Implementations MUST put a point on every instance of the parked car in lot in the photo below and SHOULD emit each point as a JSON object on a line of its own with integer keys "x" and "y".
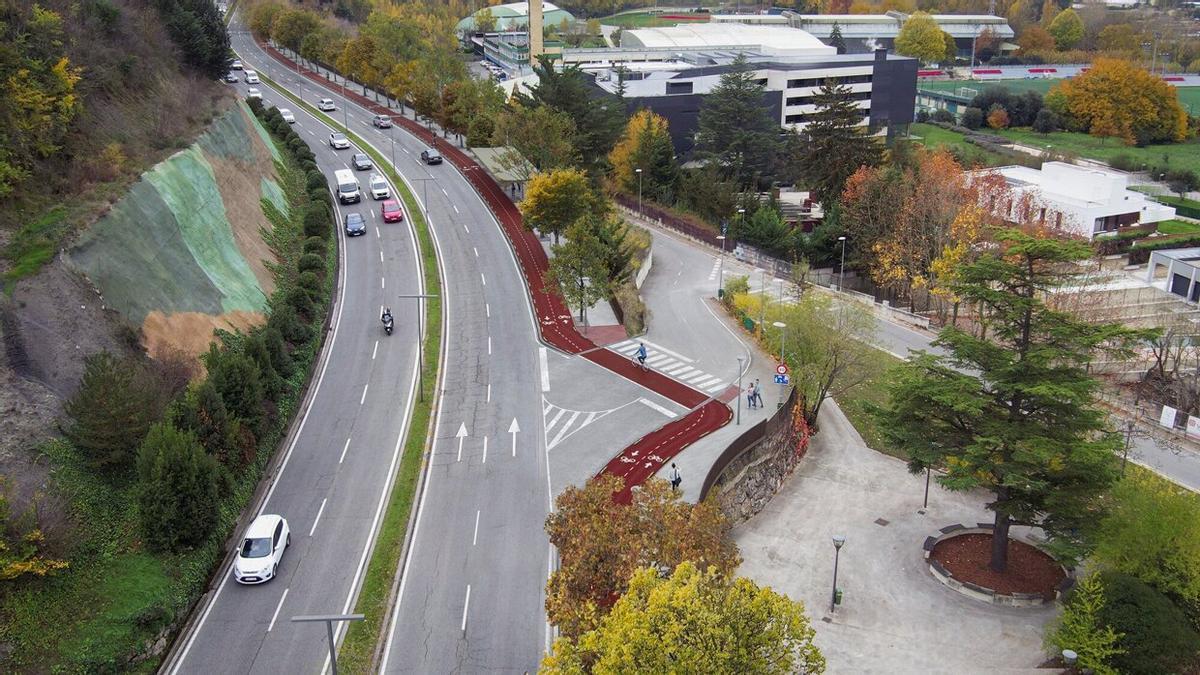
{"x": 391, "y": 211}
{"x": 253, "y": 93}
{"x": 251, "y": 77}
{"x": 261, "y": 550}
{"x": 231, "y": 77}
{"x": 355, "y": 224}
{"x": 338, "y": 141}
{"x": 236, "y": 65}
{"x": 431, "y": 156}
{"x": 362, "y": 162}
{"x": 287, "y": 115}
{"x": 379, "y": 187}
{"x": 326, "y": 104}
{"x": 382, "y": 121}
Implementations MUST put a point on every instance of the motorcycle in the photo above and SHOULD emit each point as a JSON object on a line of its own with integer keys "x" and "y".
{"x": 387, "y": 322}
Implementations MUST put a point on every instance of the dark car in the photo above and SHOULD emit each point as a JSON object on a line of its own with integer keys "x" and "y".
{"x": 431, "y": 156}
{"x": 382, "y": 121}
{"x": 231, "y": 77}
{"x": 355, "y": 224}
{"x": 362, "y": 162}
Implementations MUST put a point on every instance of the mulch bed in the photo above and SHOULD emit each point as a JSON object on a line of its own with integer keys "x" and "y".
{"x": 1029, "y": 570}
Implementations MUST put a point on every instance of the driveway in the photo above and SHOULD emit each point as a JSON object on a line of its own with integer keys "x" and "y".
{"x": 894, "y": 616}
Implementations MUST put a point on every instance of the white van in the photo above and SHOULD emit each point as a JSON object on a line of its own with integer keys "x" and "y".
{"x": 347, "y": 186}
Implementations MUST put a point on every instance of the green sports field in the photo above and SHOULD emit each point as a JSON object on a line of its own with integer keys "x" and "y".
{"x": 1189, "y": 97}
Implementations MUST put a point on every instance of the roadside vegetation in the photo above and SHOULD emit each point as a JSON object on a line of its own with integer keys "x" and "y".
{"x": 158, "y": 463}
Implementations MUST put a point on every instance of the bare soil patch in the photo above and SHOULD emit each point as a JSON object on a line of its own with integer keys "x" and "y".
{"x": 1029, "y": 570}
{"x": 190, "y": 333}
{"x": 239, "y": 185}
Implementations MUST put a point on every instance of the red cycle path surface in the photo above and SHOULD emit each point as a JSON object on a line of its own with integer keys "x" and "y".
{"x": 647, "y": 455}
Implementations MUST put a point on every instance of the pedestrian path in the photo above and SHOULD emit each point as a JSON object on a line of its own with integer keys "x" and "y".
{"x": 675, "y": 366}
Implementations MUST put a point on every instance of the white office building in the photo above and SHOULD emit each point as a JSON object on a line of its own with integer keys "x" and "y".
{"x": 1082, "y": 200}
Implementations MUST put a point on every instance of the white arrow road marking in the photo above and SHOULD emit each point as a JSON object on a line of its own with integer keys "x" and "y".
{"x": 462, "y": 433}
{"x": 513, "y": 429}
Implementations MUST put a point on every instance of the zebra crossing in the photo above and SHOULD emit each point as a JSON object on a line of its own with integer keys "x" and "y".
{"x": 559, "y": 423}
{"x": 673, "y": 365}
{"x": 715, "y": 268}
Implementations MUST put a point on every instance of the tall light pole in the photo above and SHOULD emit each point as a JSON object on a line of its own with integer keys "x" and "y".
{"x": 782, "y": 339}
{"x": 721, "y": 273}
{"x": 739, "y": 391}
{"x": 639, "y": 175}
{"x": 345, "y": 105}
{"x": 838, "y": 540}
{"x": 762, "y": 308}
{"x": 842, "y": 267}
{"x": 329, "y": 620}
{"x": 392, "y": 138}
{"x": 419, "y": 297}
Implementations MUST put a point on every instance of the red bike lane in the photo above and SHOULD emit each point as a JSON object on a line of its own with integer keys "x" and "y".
{"x": 646, "y": 456}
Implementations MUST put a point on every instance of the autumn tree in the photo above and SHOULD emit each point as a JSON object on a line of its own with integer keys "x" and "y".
{"x": 1011, "y": 406}
{"x": 1035, "y": 39}
{"x": 693, "y": 622}
{"x": 290, "y": 26}
{"x": 485, "y": 20}
{"x": 1067, "y": 29}
{"x": 401, "y": 81}
{"x": 22, "y": 542}
{"x": 541, "y": 136}
{"x": 1120, "y": 37}
{"x": 833, "y": 145}
{"x": 1117, "y": 98}
{"x": 735, "y": 130}
{"x": 646, "y": 145}
{"x": 555, "y": 200}
{"x": 921, "y": 38}
{"x": 358, "y": 61}
{"x": 261, "y": 18}
{"x": 997, "y": 117}
{"x": 601, "y": 543}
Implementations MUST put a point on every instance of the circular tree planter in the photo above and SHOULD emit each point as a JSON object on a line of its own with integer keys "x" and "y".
{"x": 958, "y": 557}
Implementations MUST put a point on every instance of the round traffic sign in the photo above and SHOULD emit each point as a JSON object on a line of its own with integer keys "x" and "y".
{"x": 782, "y": 369}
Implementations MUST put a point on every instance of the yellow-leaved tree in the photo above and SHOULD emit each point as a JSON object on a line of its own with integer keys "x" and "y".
{"x": 554, "y": 200}
{"x": 645, "y": 145}
{"x": 1115, "y": 98}
{"x": 921, "y": 38}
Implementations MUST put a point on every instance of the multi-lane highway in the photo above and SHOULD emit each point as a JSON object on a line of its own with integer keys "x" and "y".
{"x": 473, "y": 579}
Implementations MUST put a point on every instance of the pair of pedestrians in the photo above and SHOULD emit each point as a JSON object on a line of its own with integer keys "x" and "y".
{"x": 754, "y": 395}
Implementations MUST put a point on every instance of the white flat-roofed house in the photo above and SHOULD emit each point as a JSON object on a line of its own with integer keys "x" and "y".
{"x": 1081, "y": 200}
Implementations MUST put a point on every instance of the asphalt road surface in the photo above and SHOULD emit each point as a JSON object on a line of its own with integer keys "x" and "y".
{"x": 480, "y": 522}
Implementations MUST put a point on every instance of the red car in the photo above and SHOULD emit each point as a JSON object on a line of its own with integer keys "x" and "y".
{"x": 392, "y": 213}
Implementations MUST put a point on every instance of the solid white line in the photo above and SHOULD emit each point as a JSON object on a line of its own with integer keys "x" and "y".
{"x": 485, "y": 449}
{"x": 544, "y": 368}
{"x": 466, "y": 603}
{"x": 475, "y": 537}
{"x": 483, "y": 278}
{"x": 344, "y": 449}
{"x": 364, "y": 395}
{"x": 650, "y": 345}
{"x": 318, "y": 518}
{"x": 466, "y": 228}
{"x": 277, "y": 608}
{"x": 375, "y": 350}
{"x": 381, "y": 252}
{"x": 377, "y": 235}
{"x": 654, "y": 406}
{"x": 476, "y": 251}
{"x": 445, "y": 193}
{"x": 455, "y": 207}
{"x": 489, "y": 392}
{"x": 488, "y": 309}
{"x": 489, "y": 345}
{"x": 383, "y": 282}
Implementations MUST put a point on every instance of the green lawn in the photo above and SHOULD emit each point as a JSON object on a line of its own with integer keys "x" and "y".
{"x": 1189, "y": 97}
{"x": 647, "y": 20}
{"x": 1178, "y": 227}
{"x": 872, "y": 391}
{"x": 1177, "y": 155}
{"x": 936, "y": 137}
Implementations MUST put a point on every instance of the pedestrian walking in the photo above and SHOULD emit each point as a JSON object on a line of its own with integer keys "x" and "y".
{"x": 676, "y": 477}
{"x": 750, "y": 396}
{"x": 758, "y": 402}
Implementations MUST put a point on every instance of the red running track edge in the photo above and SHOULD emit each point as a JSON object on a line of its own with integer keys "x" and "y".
{"x": 646, "y": 456}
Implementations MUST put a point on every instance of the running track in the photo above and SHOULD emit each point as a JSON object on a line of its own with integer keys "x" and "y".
{"x": 647, "y": 455}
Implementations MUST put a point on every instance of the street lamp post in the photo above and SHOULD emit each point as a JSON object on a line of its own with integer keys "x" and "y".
{"x": 721, "y": 273}
{"x": 420, "y": 340}
{"x": 639, "y": 175}
{"x": 838, "y": 541}
{"x": 842, "y": 267}
{"x": 345, "y": 105}
{"x": 925, "y": 504}
{"x": 782, "y": 339}
{"x": 329, "y": 620}
{"x": 739, "y": 391}
{"x": 762, "y": 308}
{"x": 392, "y": 138}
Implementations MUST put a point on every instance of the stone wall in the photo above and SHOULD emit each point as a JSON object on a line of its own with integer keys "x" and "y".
{"x": 749, "y": 482}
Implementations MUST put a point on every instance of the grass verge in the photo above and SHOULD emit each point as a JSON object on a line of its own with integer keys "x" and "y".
{"x": 872, "y": 391}
{"x": 116, "y": 596}
{"x": 1178, "y": 227}
{"x": 932, "y": 136}
{"x": 358, "y": 647}
{"x": 1176, "y": 155}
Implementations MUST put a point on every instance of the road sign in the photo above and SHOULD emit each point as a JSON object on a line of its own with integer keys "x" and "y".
{"x": 781, "y": 369}
{"x": 781, "y": 379}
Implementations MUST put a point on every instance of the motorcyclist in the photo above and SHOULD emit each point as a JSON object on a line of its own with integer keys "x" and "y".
{"x": 386, "y": 317}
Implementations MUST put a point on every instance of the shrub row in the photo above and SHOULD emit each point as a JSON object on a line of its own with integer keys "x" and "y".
{"x": 1140, "y": 252}
{"x": 1118, "y": 243}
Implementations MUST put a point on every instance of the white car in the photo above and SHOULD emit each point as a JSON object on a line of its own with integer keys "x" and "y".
{"x": 287, "y": 115}
{"x": 236, "y": 65}
{"x": 253, "y": 93}
{"x": 326, "y": 104}
{"x": 251, "y": 77}
{"x": 379, "y": 187}
{"x": 338, "y": 141}
{"x": 261, "y": 550}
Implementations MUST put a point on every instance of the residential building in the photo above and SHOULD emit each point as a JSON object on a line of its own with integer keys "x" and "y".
{"x": 1079, "y": 199}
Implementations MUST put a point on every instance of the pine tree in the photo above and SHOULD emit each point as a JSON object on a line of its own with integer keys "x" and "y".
{"x": 111, "y": 412}
{"x": 203, "y": 413}
{"x": 1011, "y": 407}
{"x": 832, "y": 145}
{"x": 836, "y": 39}
{"x": 736, "y": 131}
{"x": 177, "y": 489}
{"x": 237, "y": 380}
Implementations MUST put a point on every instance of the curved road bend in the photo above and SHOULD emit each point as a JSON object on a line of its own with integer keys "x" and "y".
{"x": 480, "y": 515}
{"x": 335, "y": 476}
